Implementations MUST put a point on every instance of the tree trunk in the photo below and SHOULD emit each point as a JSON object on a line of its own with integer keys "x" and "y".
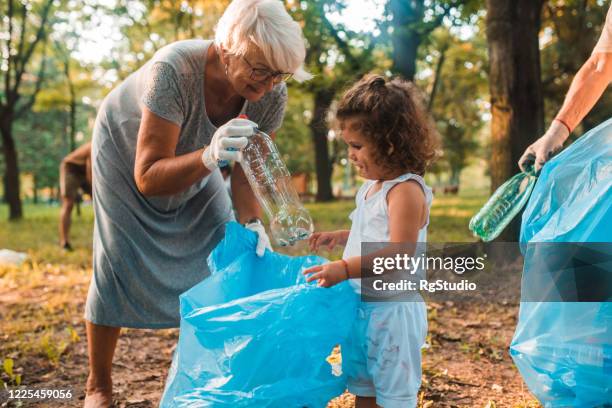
{"x": 406, "y": 39}
{"x": 318, "y": 127}
{"x": 455, "y": 175}
{"x": 35, "y": 189}
{"x": 11, "y": 174}
{"x": 73, "y": 109}
{"x": 438, "y": 73}
{"x": 517, "y": 105}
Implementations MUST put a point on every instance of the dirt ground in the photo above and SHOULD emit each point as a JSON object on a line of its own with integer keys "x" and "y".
{"x": 466, "y": 364}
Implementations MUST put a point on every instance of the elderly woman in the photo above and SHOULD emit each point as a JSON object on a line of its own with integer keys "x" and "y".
{"x": 159, "y": 199}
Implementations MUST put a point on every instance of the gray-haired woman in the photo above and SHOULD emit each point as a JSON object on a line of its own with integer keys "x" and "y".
{"x": 159, "y": 199}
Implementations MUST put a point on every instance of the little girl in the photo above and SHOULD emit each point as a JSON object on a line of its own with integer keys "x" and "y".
{"x": 390, "y": 141}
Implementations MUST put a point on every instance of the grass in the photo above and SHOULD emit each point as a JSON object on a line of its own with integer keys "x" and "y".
{"x": 40, "y": 301}
{"x": 37, "y": 235}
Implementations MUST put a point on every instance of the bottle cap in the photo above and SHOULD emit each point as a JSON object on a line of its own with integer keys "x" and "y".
{"x": 244, "y": 116}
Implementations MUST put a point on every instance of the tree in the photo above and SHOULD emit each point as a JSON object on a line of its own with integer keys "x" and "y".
{"x": 458, "y": 92}
{"x": 516, "y": 89}
{"x": 149, "y": 25}
{"x": 336, "y": 62}
{"x": 413, "y": 21}
{"x": 25, "y": 30}
{"x": 57, "y": 121}
{"x": 40, "y": 148}
{"x": 295, "y": 142}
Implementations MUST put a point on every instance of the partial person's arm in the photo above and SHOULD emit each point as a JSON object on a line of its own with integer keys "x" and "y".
{"x": 585, "y": 90}
{"x": 79, "y": 155}
{"x": 158, "y": 171}
{"x": 590, "y": 81}
{"x": 587, "y": 87}
{"x": 88, "y": 171}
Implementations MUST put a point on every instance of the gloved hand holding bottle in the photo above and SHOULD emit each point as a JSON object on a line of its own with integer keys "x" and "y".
{"x": 227, "y": 143}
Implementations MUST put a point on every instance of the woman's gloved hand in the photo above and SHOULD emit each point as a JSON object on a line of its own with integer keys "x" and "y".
{"x": 263, "y": 241}
{"x": 545, "y": 147}
{"x": 227, "y": 143}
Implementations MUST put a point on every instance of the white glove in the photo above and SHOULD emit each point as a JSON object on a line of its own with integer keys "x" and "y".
{"x": 545, "y": 147}
{"x": 227, "y": 143}
{"x": 263, "y": 241}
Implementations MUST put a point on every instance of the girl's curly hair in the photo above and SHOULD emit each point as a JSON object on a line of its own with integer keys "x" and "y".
{"x": 389, "y": 113}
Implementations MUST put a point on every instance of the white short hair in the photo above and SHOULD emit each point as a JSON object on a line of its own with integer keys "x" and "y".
{"x": 266, "y": 24}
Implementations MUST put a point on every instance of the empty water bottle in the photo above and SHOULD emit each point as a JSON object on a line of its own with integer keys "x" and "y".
{"x": 272, "y": 185}
{"x": 503, "y": 206}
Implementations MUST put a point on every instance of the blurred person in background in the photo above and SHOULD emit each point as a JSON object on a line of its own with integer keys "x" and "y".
{"x": 75, "y": 176}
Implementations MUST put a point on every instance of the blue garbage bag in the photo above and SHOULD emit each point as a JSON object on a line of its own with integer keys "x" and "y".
{"x": 563, "y": 350}
{"x": 255, "y": 334}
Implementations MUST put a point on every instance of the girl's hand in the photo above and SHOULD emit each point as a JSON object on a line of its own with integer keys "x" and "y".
{"x": 327, "y": 275}
{"x": 330, "y": 239}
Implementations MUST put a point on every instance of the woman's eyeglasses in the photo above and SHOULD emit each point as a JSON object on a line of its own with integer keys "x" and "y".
{"x": 262, "y": 74}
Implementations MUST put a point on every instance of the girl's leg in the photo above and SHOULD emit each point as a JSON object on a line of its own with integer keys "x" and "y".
{"x": 366, "y": 402}
{"x": 101, "y": 342}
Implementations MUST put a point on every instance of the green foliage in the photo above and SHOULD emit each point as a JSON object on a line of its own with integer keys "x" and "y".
{"x": 458, "y": 70}
{"x": 42, "y": 142}
{"x": 147, "y": 26}
{"x": 42, "y": 132}
{"x": 336, "y": 56}
{"x": 293, "y": 139}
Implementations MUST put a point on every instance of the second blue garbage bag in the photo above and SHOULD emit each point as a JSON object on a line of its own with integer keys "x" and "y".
{"x": 254, "y": 334}
{"x": 564, "y": 349}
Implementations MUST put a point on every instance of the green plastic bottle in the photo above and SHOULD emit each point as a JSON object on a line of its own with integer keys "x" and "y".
{"x": 503, "y": 206}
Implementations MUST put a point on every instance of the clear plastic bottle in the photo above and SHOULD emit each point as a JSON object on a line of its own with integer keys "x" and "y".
{"x": 503, "y": 206}
{"x": 272, "y": 185}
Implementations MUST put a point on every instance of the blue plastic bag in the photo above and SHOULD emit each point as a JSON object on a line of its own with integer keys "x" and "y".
{"x": 254, "y": 334}
{"x": 563, "y": 350}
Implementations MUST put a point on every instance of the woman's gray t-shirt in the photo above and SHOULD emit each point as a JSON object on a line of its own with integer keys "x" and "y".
{"x": 148, "y": 250}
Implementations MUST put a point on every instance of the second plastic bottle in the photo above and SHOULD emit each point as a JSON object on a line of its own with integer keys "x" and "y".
{"x": 503, "y": 206}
